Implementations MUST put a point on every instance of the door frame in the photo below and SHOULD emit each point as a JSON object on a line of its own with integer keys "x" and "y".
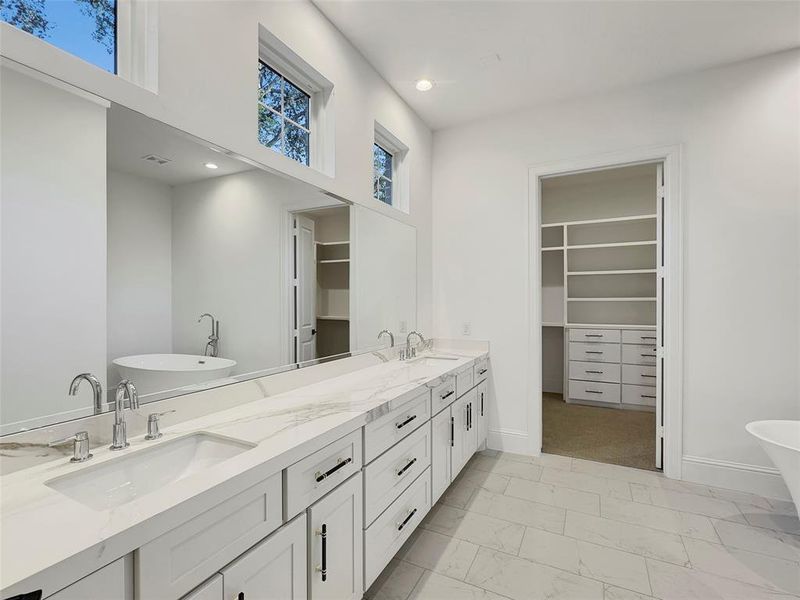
{"x": 672, "y": 302}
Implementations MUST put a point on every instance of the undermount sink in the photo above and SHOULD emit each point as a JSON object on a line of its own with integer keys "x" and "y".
{"x": 432, "y": 359}
{"x": 131, "y": 476}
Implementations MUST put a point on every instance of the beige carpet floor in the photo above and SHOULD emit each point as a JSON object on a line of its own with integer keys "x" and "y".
{"x": 620, "y": 437}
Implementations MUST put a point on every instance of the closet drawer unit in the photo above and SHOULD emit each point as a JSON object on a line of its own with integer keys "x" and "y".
{"x": 594, "y": 352}
{"x": 637, "y": 336}
{"x": 481, "y": 370}
{"x": 384, "y": 537}
{"x": 639, "y": 375}
{"x": 638, "y": 355}
{"x": 383, "y": 433}
{"x": 308, "y": 480}
{"x": 465, "y": 381}
{"x": 596, "y": 392}
{"x": 639, "y": 394}
{"x": 594, "y": 335}
{"x": 386, "y": 477}
{"x": 178, "y": 561}
{"x": 592, "y": 371}
{"x": 443, "y": 394}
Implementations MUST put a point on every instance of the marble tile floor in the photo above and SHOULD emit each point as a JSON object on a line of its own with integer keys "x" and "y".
{"x": 558, "y": 528}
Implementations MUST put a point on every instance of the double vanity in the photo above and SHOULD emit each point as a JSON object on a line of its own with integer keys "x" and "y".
{"x": 307, "y": 493}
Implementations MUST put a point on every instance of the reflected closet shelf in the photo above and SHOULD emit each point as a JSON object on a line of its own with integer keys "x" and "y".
{"x": 629, "y": 299}
{"x": 330, "y": 261}
{"x": 609, "y": 326}
{"x": 332, "y": 318}
{"x": 613, "y": 272}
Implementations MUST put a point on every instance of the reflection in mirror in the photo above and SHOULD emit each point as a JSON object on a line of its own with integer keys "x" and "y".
{"x": 131, "y": 250}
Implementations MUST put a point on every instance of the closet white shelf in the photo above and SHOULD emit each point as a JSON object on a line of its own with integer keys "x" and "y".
{"x": 330, "y": 261}
{"x": 551, "y": 324}
{"x": 342, "y": 243}
{"x": 332, "y": 318}
{"x": 597, "y": 221}
{"x": 612, "y": 245}
{"x": 550, "y": 248}
{"x": 612, "y": 272}
{"x": 609, "y": 326}
{"x": 628, "y": 299}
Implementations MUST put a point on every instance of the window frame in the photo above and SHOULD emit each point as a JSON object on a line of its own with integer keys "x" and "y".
{"x": 284, "y": 119}
{"x": 388, "y": 142}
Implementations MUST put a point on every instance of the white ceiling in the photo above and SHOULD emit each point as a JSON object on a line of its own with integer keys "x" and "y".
{"x": 549, "y": 51}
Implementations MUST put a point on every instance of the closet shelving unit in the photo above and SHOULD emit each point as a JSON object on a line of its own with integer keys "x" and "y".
{"x": 329, "y": 255}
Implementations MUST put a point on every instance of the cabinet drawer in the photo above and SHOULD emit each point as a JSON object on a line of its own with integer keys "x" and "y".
{"x": 481, "y": 370}
{"x": 112, "y": 582}
{"x": 638, "y": 355}
{"x": 311, "y": 478}
{"x": 639, "y": 336}
{"x": 465, "y": 381}
{"x": 639, "y": 394}
{"x": 596, "y": 392}
{"x": 383, "y": 433}
{"x": 639, "y": 375}
{"x": 591, "y": 371}
{"x": 384, "y": 537}
{"x": 210, "y": 590}
{"x": 594, "y": 335}
{"x": 182, "y": 558}
{"x": 443, "y": 394}
{"x": 387, "y": 476}
{"x": 594, "y": 352}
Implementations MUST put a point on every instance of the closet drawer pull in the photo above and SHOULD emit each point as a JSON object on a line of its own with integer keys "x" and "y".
{"x": 650, "y": 376}
{"x": 649, "y": 355}
{"x": 339, "y": 464}
{"x": 595, "y": 352}
{"x": 593, "y": 392}
{"x": 406, "y": 467}
{"x": 406, "y": 422}
{"x": 406, "y": 520}
{"x": 447, "y": 395}
{"x": 594, "y": 372}
{"x": 598, "y": 335}
{"x": 647, "y": 396}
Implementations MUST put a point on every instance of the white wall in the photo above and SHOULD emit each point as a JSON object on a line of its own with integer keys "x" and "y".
{"x": 207, "y": 54}
{"x": 738, "y": 127}
{"x": 53, "y": 234}
{"x": 139, "y": 268}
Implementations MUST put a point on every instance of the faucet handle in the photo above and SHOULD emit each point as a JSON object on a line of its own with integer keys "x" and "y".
{"x": 153, "y": 431}
{"x": 80, "y": 446}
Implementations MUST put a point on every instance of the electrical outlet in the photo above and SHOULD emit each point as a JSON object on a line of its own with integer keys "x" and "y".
{"x": 403, "y": 327}
{"x": 466, "y": 329}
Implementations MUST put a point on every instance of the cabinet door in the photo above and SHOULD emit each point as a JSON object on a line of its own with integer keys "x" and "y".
{"x": 335, "y": 540}
{"x": 458, "y": 451}
{"x": 275, "y": 569}
{"x": 482, "y": 413}
{"x": 471, "y": 435}
{"x": 440, "y": 453}
{"x": 210, "y": 590}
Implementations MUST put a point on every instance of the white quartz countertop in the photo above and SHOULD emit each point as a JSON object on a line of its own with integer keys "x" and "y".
{"x": 48, "y": 540}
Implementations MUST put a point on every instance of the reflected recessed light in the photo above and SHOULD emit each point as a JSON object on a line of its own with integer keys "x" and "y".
{"x": 423, "y": 85}
{"x": 211, "y": 166}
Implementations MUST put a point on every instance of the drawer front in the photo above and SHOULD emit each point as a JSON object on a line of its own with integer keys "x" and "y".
{"x": 639, "y": 394}
{"x": 465, "y": 381}
{"x": 389, "y": 475}
{"x": 443, "y": 394}
{"x": 638, "y": 355}
{"x": 639, "y": 336}
{"x": 311, "y": 478}
{"x": 639, "y": 375}
{"x": 594, "y": 352}
{"x": 594, "y": 335}
{"x": 592, "y": 371}
{"x": 481, "y": 370}
{"x": 596, "y": 392}
{"x": 210, "y": 590}
{"x": 383, "y": 433}
{"x": 182, "y": 558}
{"x": 112, "y": 582}
{"x": 384, "y": 537}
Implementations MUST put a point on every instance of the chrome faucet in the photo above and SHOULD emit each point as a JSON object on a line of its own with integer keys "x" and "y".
{"x": 391, "y": 337}
{"x": 212, "y": 347}
{"x": 125, "y": 389}
{"x": 97, "y": 389}
{"x": 411, "y": 351}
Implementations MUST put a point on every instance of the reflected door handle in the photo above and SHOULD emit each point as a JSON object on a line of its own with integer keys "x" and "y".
{"x": 313, "y": 332}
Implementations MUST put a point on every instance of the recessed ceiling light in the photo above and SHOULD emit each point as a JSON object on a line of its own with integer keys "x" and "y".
{"x": 211, "y": 166}
{"x": 423, "y": 85}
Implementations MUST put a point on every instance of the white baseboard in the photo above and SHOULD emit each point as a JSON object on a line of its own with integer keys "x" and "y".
{"x": 509, "y": 440}
{"x": 764, "y": 481}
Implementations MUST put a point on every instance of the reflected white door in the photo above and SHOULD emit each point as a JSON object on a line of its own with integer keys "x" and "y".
{"x": 306, "y": 289}
{"x": 660, "y": 283}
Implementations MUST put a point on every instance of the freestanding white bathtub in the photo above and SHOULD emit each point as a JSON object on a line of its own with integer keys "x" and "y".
{"x": 152, "y": 373}
{"x": 781, "y": 441}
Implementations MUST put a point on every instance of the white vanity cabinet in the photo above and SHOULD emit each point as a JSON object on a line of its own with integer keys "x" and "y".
{"x": 441, "y": 442}
{"x": 482, "y": 413}
{"x": 465, "y": 431}
{"x": 112, "y": 582}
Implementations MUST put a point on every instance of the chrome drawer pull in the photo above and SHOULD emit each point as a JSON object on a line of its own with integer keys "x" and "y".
{"x": 594, "y": 352}
{"x": 593, "y": 392}
{"x": 406, "y": 422}
{"x": 594, "y": 372}
{"x": 339, "y": 464}
{"x": 447, "y": 395}
{"x": 406, "y": 467}
{"x": 651, "y": 376}
{"x": 406, "y": 520}
{"x": 646, "y": 396}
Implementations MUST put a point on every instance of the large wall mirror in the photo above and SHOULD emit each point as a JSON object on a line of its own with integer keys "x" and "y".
{"x": 131, "y": 250}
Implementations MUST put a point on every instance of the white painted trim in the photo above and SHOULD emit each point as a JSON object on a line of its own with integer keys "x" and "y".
{"x": 57, "y": 83}
{"x": 509, "y": 440}
{"x": 755, "y": 479}
{"x": 673, "y": 297}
